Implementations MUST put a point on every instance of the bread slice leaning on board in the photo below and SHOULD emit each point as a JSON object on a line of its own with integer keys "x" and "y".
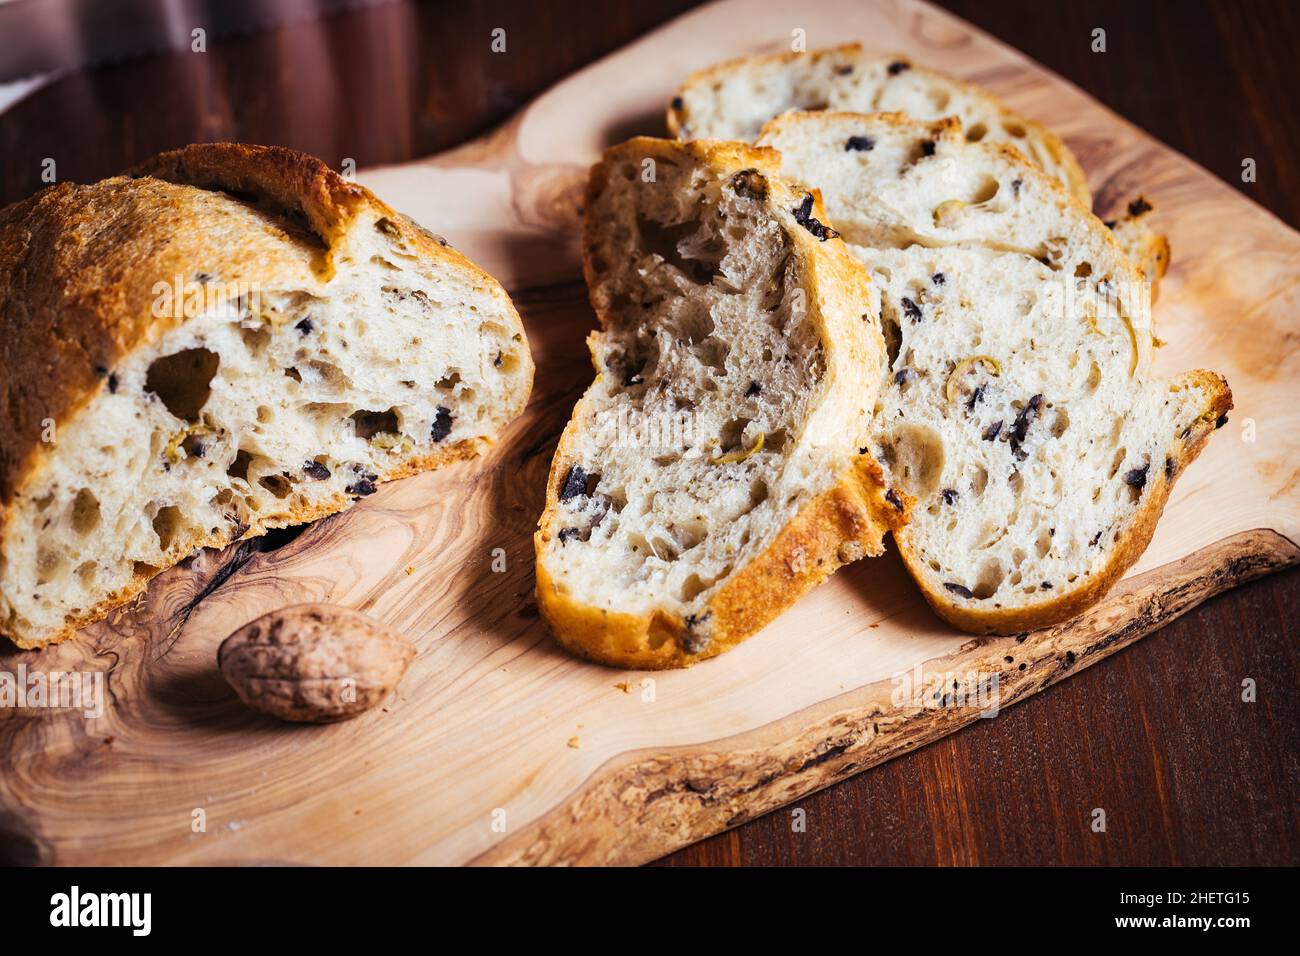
{"x": 230, "y": 339}
{"x": 733, "y": 100}
{"x": 1019, "y": 406}
{"x": 713, "y": 472}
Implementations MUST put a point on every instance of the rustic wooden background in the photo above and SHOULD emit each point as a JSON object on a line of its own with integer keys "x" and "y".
{"x": 1153, "y": 735}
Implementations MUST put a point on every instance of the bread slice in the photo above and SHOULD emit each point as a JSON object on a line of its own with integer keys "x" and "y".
{"x": 712, "y": 472}
{"x": 1019, "y": 408}
{"x": 733, "y": 100}
{"x": 231, "y": 339}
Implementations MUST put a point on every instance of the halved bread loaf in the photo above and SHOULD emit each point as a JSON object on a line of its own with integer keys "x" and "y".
{"x": 1019, "y": 408}
{"x": 711, "y": 474}
{"x": 231, "y": 339}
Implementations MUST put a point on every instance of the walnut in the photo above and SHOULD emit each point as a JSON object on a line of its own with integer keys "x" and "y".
{"x": 314, "y": 663}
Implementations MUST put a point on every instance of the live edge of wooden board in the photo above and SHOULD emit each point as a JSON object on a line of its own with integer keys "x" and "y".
{"x": 497, "y": 747}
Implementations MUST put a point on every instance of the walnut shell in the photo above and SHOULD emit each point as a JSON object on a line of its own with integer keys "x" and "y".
{"x": 314, "y": 663}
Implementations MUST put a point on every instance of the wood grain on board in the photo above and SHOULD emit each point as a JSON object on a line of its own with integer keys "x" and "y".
{"x": 498, "y": 747}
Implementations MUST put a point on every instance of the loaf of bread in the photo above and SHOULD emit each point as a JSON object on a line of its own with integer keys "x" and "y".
{"x": 733, "y": 100}
{"x": 1019, "y": 407}
{"x": 230, "y": 339}
{"x": 712, "y": 472}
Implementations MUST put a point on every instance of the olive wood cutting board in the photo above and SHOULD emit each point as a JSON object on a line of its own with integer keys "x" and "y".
{"x": 498, "y": 747}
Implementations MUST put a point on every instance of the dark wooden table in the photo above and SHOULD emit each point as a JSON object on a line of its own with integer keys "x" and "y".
{"x": 1156, "y": 735}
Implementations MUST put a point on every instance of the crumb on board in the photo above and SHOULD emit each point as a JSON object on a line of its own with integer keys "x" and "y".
{"x": 625, "y": 686}
{"x": 574, "y": 743}
{"x": 410, "y": 569}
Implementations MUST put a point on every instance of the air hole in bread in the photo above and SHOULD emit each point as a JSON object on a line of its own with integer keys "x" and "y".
{"x": 892, "y": 332}
{"x": 988, "y": 188}
{"x": 255, "y": 339}
{"x": 662, "y": 546}
{"x": 1043, "y": 542}
{"x": 693, "y": 252}
{"x": 278, "y": 485}
{"x": 979, "y": 479}
{"x": 1014, "y": 129}
{"x": 1116, "y": 461}
{"x": 916, "y": 455}
{"x": 85, "y": 512}
{"x": 328, "y": 374}
{"x": 712, "y": 352}
{"x": 692, "y": 588}
{"x": 166, "y": 524}
{"x": 368, "y": 424}
{"x": 732, "y": 435}
{"x": 1060, "y": 421}
{"x": 50, "y": 564}
{"x": 989, "y": 580}
{"x": 1094, "y": 377}
{"x": 976, "y": 133}
{"x": 239, "y": 467}
{"x": 183, "y": 381}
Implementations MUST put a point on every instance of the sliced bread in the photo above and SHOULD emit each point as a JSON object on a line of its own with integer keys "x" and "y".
{"x": 712, "y": 472}
{"x": 733, "y": 100}
{"x": 1019, "y": 408}
{"x": 231, "y": 339}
